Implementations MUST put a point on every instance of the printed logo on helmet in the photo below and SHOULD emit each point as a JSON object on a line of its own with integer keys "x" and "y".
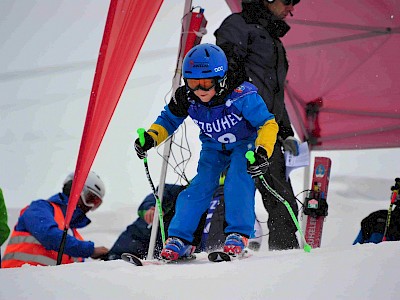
{"x": 198, "y": 64}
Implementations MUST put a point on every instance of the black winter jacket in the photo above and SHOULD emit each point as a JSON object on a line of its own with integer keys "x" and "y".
{"x": 250, "y": 40}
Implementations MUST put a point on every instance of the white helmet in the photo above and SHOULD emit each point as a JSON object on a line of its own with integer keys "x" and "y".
{"x": 93, "y": 184}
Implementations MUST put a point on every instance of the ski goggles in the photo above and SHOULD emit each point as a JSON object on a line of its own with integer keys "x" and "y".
{"x": 204, "y": 84}
{"x": 90, "y": 199}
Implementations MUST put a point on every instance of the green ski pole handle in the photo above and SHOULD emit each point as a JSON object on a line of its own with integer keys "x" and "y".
{"x": 142, "y": 140}
{"x": 141, "y": 131}
{"x": 250, "y": 157}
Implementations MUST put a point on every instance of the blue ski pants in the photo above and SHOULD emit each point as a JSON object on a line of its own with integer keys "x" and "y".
{"x": 239, "y": 191}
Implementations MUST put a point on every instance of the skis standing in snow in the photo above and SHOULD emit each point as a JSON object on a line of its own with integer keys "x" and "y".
{"x": 315, "y": 204}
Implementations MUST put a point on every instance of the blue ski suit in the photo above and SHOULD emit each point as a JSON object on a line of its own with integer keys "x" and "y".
{"x": 230, "y": 125}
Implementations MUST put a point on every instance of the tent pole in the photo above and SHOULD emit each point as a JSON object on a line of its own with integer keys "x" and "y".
{"x": 306, "y": 186}
{"x": 167, "y": 145}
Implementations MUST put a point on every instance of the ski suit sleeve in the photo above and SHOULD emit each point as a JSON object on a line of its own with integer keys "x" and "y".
{"x": 256, "y": 112}
{"x": 38, "y": 219}
{"x": 171, "y": 117}
{"x": 266, "y": 137}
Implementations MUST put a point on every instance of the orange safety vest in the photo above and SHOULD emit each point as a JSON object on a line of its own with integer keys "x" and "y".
{"x": 24, "y": 248}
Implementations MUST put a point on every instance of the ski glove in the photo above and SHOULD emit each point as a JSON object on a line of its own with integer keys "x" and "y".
{"x": 149, "y": 143}
{"x": 291, "y": 144}
{"x": 260, "y": 166}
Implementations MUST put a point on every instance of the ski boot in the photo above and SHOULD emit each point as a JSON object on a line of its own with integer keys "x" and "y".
{"x": 175, "y": 249}
{"x": 235, "y": 244}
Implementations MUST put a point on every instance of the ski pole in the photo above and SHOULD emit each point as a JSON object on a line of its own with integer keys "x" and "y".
{"x": 395, "y": 191}
{"x": 250, "y": 157}
{"x": 141, "y": 131}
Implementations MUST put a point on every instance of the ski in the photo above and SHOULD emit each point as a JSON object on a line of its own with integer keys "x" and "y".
{"x": 220, "y": 256}
{"x": 136, "y": 261}
{"x": 316, "y": 206}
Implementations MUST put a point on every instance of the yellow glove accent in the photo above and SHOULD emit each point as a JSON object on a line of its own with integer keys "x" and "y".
{"x": 158, "y": 133}
{"x": 267, "y": 136}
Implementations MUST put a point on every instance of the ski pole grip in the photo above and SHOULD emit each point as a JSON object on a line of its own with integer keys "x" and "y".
{"x": 141, "y": 131}
{"x": 250, "y": 157}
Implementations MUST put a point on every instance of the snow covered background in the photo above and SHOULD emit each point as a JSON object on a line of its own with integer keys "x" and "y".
{"x": 48, "y": 56}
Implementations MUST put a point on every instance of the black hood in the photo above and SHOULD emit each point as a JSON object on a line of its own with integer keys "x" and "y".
{"x": 256, "y": 13}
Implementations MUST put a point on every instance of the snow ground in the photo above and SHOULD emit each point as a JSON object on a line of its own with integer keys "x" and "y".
{"x": 48, "y": 56}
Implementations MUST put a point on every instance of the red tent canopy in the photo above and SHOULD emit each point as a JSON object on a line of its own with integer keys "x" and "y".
{"x": 342, "y": 90}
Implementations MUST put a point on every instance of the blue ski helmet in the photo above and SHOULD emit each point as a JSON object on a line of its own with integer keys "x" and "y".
{"x": 205, "y": 61}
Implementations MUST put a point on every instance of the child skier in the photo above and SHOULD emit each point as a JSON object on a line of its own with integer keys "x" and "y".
{"x": 232, "y": 120}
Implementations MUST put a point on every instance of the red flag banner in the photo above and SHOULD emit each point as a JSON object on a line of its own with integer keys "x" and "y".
{"x": 128, "y": 23}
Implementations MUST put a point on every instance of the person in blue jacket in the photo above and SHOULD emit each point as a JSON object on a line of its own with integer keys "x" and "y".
{"x": 36, "y": 237}
{"x": 136, "y": 238}
{"x": 232, "y": 121}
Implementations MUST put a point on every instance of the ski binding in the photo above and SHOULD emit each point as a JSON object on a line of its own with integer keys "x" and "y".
{"x": 133, "y": 259}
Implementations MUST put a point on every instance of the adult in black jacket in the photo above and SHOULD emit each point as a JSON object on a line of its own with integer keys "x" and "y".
{"x": 251, "y": 41}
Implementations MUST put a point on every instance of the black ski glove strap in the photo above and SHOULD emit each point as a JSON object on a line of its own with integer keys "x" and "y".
{"x": 148, "y": 144}
{"x": 260, "y": 166}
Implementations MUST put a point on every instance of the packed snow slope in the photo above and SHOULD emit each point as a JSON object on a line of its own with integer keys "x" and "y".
{"x": 48, "y": 57}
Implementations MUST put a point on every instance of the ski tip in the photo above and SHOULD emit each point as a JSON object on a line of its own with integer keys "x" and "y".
{"x": 218, "y": 256}
{"x": 131, "y": 258}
